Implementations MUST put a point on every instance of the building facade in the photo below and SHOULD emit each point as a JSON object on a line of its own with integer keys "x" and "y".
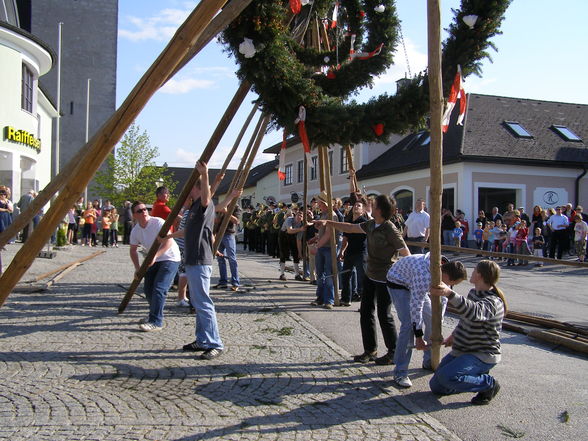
{"x": 26, "y": 112}
{"x": 509, "y": 150}
{"x": 88, "y": 51}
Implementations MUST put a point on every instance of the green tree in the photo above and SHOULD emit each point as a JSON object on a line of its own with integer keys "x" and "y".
{"x": 131, "y": 173}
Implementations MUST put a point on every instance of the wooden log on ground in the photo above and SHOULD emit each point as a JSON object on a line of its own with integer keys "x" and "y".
{"x": 560, "y": 340}
{"x": 222, "y": 20}
{"x": 103, "y": 142}
{"x": 67, "y": 265}
{"x": 474, "y": 251}
{"x": 436, "y": 163}
{"x": 205, "y": 157}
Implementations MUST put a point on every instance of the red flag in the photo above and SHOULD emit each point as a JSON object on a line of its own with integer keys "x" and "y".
{"x": 457, "y": 91}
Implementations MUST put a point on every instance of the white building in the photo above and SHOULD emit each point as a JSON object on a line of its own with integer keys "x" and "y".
{"x": 26, "y": 112}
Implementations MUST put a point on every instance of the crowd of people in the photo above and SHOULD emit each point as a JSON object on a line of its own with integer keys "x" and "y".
{"x": 374, "y": 264}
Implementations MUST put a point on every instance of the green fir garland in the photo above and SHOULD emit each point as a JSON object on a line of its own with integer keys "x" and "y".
{"x": 286, "y": 75}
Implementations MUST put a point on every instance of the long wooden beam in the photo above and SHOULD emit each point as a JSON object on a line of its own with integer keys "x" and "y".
{"x": 102, "y": 142}
{"x": 204, "y": 157}
{"x": 436, "y": 162}
{"x": 220, "y": 22}
{"x": 241, "y": 182}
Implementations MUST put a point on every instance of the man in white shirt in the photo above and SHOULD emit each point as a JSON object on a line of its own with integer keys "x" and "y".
{"x": 558, "y": 224}
{"x": 417, "y": 226}
{"x": 162, "y": 269}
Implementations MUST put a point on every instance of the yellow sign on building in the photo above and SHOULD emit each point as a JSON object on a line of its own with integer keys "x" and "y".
{"x": 22, "y": 137}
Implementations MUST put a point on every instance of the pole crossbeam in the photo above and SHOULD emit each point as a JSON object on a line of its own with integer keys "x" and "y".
{"x": 103, "y": 142}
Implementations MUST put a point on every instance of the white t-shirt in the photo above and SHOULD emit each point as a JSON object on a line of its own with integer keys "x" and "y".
{"x": 146, "y": 236}
{"x": 417, "y": 223}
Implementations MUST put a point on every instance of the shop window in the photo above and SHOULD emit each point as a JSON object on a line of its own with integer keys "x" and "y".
{"x": 28, "y": 180}
{"x": 28, "y": 86}
{"x": 6, "y": 169}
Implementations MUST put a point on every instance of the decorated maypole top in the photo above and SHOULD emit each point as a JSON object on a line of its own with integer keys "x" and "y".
{"x": 318, "y": 54}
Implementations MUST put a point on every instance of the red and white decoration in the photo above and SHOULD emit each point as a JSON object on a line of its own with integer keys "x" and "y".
{"x": 282, "y": 162}
{"x": 457, "y": 91}
{"x": 335, "y": 14}
{"x": 300, "y": 122}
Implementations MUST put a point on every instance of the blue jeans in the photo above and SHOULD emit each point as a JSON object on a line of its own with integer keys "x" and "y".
{"x": 466, "y": 373}
{"x": 414, "y": 249}
{"x": 325, "y": 291}
{"x": 448, "y": 237}
{"x": 207, "y": 334}
{"x": 158, "y": 279}
{"x": 228, "y": 247}
{"x": 403, "y": 353}
{"x": 351, "y": 282}
{"x": 510, "y": 249}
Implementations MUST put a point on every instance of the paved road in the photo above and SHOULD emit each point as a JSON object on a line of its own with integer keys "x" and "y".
{"x": 71, "y": 368}
{"x": 539, "y": 381}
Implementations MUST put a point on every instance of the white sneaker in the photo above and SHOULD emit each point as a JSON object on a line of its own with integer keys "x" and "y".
{"x": 403, "y": 382}
{"x": 150, "y": 327}
{"x": 183, "y": 303}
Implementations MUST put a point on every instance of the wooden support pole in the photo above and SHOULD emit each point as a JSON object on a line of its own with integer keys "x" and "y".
{"x": 436, "y": 162}
{"x": 261, "y": 128}
{"x": 328, "y": 188}
{"x": 213, "y": 142}
{"x": 102, "y": 142}
{"x": 222, "y": 20}
{"x": 350, "y": 165}
{"x": 231, "y": 154}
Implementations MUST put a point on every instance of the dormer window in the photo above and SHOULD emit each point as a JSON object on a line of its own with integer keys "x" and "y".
{"x": 517, "y": 129}
{"x": 566, "y": 133}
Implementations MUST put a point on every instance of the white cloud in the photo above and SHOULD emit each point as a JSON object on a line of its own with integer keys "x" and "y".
{"x": 417, "y": 60}
{"x": 184, "y": 157}
{"x": 185, "y": 85}
{"x": 159, "y": 27}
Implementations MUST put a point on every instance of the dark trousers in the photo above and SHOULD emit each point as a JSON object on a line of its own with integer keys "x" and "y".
{"x": 559, "y": 240}
{"x": 288, "y": 247}
{"x": 127, "y": 232}
{"x": 376, "y": 293}
{"x": 105, "y": 237}
{"x": 413, "y": 249}
{"x": 245, "y": 238}
{"x": 352, "y": 261}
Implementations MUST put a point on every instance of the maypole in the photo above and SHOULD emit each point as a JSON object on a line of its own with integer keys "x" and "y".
{"x": 436, "y": 162}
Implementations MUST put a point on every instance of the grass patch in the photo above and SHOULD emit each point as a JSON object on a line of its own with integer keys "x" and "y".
{"x": 286, "y": 330}
{"x": 510, "y": 433}
{"x": 259, "y": 346}
{"x": 259, "y": 320}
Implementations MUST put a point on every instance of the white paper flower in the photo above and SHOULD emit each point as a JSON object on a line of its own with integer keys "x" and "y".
{"x": 326, "y": 59}
{"x": 247, "y": 48}
{"x": 380, "y": 8}
{"x": 305, "y": 2}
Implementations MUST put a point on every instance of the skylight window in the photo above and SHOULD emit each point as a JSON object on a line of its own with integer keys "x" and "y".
{"x": 517, "y": 129}
{"x": 566, "y": 133}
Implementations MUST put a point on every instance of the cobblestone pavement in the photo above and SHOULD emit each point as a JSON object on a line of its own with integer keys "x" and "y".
{"x": 72, "y": 369}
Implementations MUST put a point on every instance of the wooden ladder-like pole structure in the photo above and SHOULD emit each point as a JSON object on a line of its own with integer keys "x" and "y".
{"x": 257, "y": 137}
{"x": 220, "y": 22}
{"x": 204, "y": 157}
{"x": 325, "y": 166}
{"x": 102, "y": 142}
{"x": 436, "y": 161}
{"x": 350, "y": 166}
{"x": 231, "y": 154}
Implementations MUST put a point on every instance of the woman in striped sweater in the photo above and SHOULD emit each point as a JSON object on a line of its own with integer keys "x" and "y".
{"x": 475, "y": 341}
